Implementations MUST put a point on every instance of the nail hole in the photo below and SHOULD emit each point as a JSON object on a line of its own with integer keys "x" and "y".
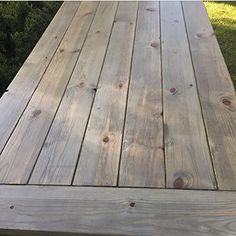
{"x": 173, "y": 90}
{"x": 11, "y": 207}
{"x": 132, "y": 204}
{"x": 191, "y": 85}
{"x": 95, "y": 89}
{"x": 154, "y": 44}
{"x": 61, "y": 50}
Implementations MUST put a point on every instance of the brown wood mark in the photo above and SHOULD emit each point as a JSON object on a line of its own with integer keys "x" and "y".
{"x": 142, "y": 160}
{"x": 99, "y": 159}
{"x": 188, "y": 161}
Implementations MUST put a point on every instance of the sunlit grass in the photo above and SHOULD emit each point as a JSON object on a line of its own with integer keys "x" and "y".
{"x": 223, "y": 19}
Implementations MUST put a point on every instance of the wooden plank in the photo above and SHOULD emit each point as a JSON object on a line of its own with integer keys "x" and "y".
{"x": 188, "y": 162}
{"x": 117, "y": 211}
{"x": 21, "y": 151}
{"x": 13, "y": 102}
{"x": 57, "y": 161}
{"x": 142, "y": 160}
{"x": 99, "y": 159}
{"x": 216, "y": 91}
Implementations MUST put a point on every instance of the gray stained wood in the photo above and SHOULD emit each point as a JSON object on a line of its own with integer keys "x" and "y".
{"x": 100, "y": 154}
{"x": 117, "y": 211}
{"x": 19, "y": 92}
{"x": 120, "y": 94}
{"x": 188, "y": 160}
{"x": 23, "y": 147}
{"x": 57, "y": 161}
{"x": 217, "y": 94}
{"x": 142, "y": 160}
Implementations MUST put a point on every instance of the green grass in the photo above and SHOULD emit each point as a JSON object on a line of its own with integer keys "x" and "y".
{"x": 223, "y": 19}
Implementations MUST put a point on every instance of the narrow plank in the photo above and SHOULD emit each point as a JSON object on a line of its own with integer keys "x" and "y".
{"x": 216, "y": 91}
{"x": 188, "y": 161}
{"x": 13, "y": 102}
{"x": 99, "y": 159}
{"x": 21, "y": 151}
{"x": 57, "y": 161}
{"x": 142, "y": 161}
{"x": 117, "y": 211}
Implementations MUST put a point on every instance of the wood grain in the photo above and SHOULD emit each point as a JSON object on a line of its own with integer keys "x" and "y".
{"x": 217, "y": 94}
{"x": 99, "y": 159}
{"x": 13, "y": 102}
{"x": 117, "y": 211}
{"x": 188, "y": 161}
{"x": 142, "y": 160}
{"x": 22, "y": 149}
{"x": 57, "y": 161}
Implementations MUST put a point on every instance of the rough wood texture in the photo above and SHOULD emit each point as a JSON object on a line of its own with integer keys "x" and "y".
{"x": 57, "y": 161}
{"x": 216, "y": 91}
{"x": 188, "y": 161}
{"x": 26, "y": 141}
{"x": 99, "y": 159}
{"x": 114, "y": 211}
{"x": 13, "y": 102}
{"x": 142, "y": 161}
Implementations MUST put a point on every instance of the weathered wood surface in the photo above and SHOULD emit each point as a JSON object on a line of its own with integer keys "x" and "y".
{"x": 113, "y": 211}
{"x": 22, "y": 149}
{"x": 13, "y": 102}
{"x": 115, "y": 76}
{"x": 99, "y": 158}
{"x": 89, "y": 107}
{"x": 142, "y": 160}
{"x": 57, "y": 161}
{"x": 188, "y": 161}
{"x": 216, "y": 91}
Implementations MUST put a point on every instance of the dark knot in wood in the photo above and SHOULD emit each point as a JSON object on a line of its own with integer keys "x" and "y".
{"x": 106, "y": 139}
{"x": 179, "y": 183}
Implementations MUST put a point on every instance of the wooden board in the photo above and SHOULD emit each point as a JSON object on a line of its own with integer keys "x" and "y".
{"x": 142, "y": 160}
{"x": 216, "y": 91}
{"x": 57, "y": 161}
{"x": 99, "y": 159}
{"x": 188, "y": 161}
{"x": 13, "y": 102}
{"x": 37, "y": 118}
{"x": 114, "y": 211}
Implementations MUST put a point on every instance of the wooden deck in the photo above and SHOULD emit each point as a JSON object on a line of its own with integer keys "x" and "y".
{"x": 119, "y": 107}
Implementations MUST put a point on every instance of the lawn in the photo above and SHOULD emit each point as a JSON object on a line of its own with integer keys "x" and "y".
{"x": 223, "y": 19}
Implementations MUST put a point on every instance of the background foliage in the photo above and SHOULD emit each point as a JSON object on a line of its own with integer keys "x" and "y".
{"x": 223, "y": 19}
{"x": 21, "y": 25}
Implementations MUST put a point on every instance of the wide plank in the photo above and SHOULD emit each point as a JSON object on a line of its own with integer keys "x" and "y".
{"x": 57, "y": 160}
{"x": 142, "y": 160}
{"x": 188, "y": 161}
{"x": 117, "y": 211}
{"x": 19, "y": 92}
{"x": 99, "y": 159}
{"x": 22, "y": 149}
{"x": 216, "y": 91}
